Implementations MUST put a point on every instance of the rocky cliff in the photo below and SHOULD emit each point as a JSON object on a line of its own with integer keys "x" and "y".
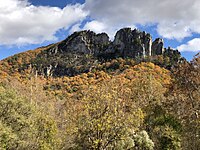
{"x": 82, "y": 50}
{"x": 127, "y": 43}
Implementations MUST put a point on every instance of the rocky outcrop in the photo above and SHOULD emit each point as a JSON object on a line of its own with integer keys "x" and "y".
{"x": 158, "y": 47}
{"x": 127, "y": 43}
{"x": 171, "y": 53}
{"x": 84, "y": 42}
{"x": 132, "y": 43}
{"x": 84, "y": 48}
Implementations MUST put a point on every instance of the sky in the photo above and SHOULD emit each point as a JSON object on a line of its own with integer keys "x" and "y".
{"x": 28, "y": 24}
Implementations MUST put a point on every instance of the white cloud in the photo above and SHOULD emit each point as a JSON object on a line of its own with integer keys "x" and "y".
{"x": 100, "y": 27}
{"x": 95, "y": 26}
{"x": 174, "y": 31}
{"x": 75, "y": 27}
{"x": 23, "y": 23}
{"x": 191, "y": 46}
{"x": 175, "y": 19}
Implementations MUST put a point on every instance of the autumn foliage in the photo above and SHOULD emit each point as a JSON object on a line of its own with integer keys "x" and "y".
{"x": 118, "y": 104}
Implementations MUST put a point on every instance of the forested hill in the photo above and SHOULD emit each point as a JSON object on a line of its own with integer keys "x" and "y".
{"x": 87, "y": 92}
{"x": 85, "y": 50}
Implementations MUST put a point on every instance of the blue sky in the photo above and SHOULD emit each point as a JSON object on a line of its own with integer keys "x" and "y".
{"x": 28, "y": 24}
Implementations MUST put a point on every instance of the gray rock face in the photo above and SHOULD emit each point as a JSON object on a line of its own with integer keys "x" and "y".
{"x": 127, "y": 43}
{"x": 86, "y": 48}
{"x": 132, "y": 43}
{"x": 158, "y": 47}
{"x": 85, "y": 42}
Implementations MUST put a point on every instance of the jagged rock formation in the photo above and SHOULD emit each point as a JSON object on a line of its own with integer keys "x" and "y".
{"x": 85, "y": 48}
{"x": 84, "y": 42}
{"x": 132, "y": 43}
{"x": 158, "y": 47}
{"x": 127, "y": 43}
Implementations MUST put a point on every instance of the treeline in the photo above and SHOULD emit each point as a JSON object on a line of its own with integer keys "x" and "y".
{"x": 118, "y": 105}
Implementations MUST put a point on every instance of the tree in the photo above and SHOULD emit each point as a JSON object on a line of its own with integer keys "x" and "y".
{"x": 184, "y": 100}
{"x": 23, "y": 126}
{"x": 107, "y": 121}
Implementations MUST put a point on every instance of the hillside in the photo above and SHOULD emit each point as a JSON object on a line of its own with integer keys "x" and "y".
{"x": 87, "y": 92}
{"x": 85, "y": 50}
